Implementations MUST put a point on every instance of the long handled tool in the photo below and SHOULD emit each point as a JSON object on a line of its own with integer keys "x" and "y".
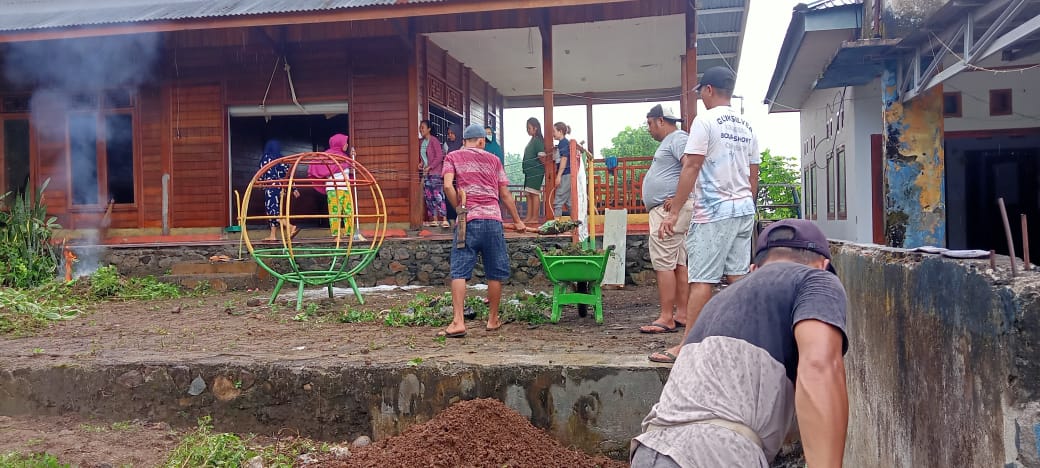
{"x": 460, "y": 221}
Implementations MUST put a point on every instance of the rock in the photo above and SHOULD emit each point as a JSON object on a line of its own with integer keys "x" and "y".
{"x": 308, "y": 387}
{"x": 254, "y": 302}
{"x": 340, "y": 452}
{"x": 306, "y": 459}
{"x": 131, "y": 379}
{"x": 197, "y": 386}
{"x": 397, "y": 267}
{"x": 176, "y": 310}
{"x": 361, "y": 441}
{"x": 247, "y": 379}
{"x": 224, "y": 389}
{"x": 181, "y": 375}
{"x": 255, "y": 462}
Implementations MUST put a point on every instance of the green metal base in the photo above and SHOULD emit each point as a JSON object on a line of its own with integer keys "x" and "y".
{"x": 563, "y": 296}
{"x": 299, "y": 291}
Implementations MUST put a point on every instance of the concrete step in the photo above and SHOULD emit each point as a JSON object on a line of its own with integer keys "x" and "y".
{"x": 223, "y": 281}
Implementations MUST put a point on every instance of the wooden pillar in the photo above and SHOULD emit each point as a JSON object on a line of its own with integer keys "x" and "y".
{"x": 914, "y": 165}
{"x": 588, "y": 121}
{"x": 547, "y": 104}
{"x": 415, "y": 107}
{"x": 688, "y": 99}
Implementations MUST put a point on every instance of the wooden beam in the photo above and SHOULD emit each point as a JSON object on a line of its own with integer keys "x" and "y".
{"x": 415, "y": 197}
{"x": 382, "y": 12}
{"x": 547, "y": 105}
{"x": 588, "y": 121}
{"x": 610, "y": 97}
{"x": 689, "y": 77}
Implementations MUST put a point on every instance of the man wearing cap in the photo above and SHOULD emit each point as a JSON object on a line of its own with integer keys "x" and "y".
{"x": 475, "y": 181}
{"x": 667, "y": 253}
{"x": 720, "y": 165}
{"x": 764, "y": 351}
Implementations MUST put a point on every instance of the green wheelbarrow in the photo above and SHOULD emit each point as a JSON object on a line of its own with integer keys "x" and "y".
{"x": 585, "y": 271}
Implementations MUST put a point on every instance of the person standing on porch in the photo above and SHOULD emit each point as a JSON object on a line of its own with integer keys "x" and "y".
{"x": 273, "y": 195}
{"x": 492, "y": 146}
{"x": 337, "y": 189}
{"x": 432, "y": 156}
{"x": 721, "y": 163}
{"x": 563, "y": 169}
{"x": 766, "y": 350}
{"x": 667, "y": 253}
{"x": 453, "y": 143}
{"x": 534, "y": 170}
{"x": 482, "y": 183}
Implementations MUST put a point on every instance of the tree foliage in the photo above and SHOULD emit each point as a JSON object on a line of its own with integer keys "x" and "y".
{"x": 632, "y": 142}
{"x": 779, "y": 184}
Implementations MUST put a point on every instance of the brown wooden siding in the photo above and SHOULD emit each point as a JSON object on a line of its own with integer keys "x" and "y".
{"x": 199, "y": 194}
{"x": 150, "y": 133}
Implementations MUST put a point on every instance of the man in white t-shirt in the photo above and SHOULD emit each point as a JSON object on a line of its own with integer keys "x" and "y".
{"x": 720, "y": 166}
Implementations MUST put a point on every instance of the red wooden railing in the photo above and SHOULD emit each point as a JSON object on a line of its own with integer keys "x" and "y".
{"x": 622, "y": 189}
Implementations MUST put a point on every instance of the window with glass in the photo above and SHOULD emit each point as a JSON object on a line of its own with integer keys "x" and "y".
{"x": 101, "y": 152}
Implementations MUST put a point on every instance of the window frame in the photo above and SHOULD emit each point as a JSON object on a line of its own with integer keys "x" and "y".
{"x": 832, "y": 200}
{"x": 956, "y": 95}
{"x": 101, "y": 111}
{"x": 841, "y": 171}
{"x": 996, "y": 111}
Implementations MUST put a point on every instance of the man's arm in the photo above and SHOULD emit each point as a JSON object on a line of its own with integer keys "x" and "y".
{"x": 449, "y": 189}
{"x": 754, "y": 183}
{"x": 691, "y": 168}
{"x": 507, "y": 198}
{"x": 820, "y": 398}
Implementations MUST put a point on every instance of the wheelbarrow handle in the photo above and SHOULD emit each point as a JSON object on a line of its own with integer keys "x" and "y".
{"x": 460, "y": 221}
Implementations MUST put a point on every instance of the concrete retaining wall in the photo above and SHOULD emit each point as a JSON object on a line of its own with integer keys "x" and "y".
{"x": 399, "y": 261}
{"x": 597, "y": 408}
{"x": 942, "y": 365}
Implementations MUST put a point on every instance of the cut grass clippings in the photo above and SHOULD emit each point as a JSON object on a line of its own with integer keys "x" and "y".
{"x": 36, "y": 460}
{"x": 205, "y": 448}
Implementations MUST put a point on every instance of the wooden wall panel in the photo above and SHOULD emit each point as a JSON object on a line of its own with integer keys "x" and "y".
{"x": 199, "y": 195}
{"x": 453, "y": 72}
{"x": 477, "y": 99}
{"x": 150, "y": 135}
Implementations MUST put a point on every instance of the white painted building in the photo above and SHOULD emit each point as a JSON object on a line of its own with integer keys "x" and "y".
{"x": 985, "y": 132}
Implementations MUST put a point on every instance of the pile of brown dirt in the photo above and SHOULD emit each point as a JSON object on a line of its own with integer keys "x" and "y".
{"x": 474, "y": 433}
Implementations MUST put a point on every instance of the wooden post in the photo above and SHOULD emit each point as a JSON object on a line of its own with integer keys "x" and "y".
{"x": 415, "y": 205}
{"x": 547, "y": 104}
{"x": 688, "y": 99}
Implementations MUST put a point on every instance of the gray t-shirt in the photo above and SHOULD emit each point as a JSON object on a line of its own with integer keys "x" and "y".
{"x": 662, "y": 178}
{"x": 739, "y": 363}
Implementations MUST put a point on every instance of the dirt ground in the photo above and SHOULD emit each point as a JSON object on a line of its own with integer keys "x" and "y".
{"x": 240, "y": 326}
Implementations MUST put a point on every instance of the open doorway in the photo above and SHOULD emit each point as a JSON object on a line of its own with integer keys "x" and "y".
{"x": 297, "y": 134}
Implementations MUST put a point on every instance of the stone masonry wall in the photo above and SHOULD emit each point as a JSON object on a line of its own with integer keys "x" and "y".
{"x": 399, "y": 261}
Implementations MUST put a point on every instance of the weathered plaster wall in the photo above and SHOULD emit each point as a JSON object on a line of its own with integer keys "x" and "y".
{"x": 975, "y": 86}
{"x": 915, "y": 206}
{"x": 942, "y": 367}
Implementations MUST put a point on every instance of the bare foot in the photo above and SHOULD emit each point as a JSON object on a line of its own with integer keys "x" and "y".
{"x": 269, "y": 239}
{"x": 494, "y": 325}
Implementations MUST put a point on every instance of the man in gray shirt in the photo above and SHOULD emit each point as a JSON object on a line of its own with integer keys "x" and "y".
{"x": 667, "y": 253}
{"x": 763, "y": 351}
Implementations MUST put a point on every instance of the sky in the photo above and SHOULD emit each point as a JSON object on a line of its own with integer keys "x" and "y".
{"x": 763, "y": 36}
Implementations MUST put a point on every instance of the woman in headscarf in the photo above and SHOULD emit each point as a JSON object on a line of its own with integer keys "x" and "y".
{"x": 454, "y": 142}
{"x": 273, "y": 195}
{"x": 432, "y": 156}
{"x": 337, "y": 190}
{"x": 534, "y": 170}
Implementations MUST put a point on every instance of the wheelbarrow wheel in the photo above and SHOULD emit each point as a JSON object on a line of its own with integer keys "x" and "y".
{"x": 582, "y": 287}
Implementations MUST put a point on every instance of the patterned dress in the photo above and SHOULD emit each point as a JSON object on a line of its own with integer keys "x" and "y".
{"x": 273, "y": 196}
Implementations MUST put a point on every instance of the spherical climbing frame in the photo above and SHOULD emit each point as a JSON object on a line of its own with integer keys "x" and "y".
{"x": 326, "y": 261}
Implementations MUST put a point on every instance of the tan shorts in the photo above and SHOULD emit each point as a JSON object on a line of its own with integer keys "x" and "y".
{"x": 667, "y": 253}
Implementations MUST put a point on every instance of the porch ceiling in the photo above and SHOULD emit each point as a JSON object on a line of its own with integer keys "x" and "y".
{"x": 637, "y": 58}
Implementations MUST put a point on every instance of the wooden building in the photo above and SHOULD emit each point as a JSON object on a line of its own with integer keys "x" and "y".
{"x": 158, "y": 111}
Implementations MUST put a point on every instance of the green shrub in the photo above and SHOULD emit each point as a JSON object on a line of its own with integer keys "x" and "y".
{"x": 203, "y": 448}
{"x": 24, "y": 311}
{"x": 105, "y": 283}
{"x": 27, "y": 258}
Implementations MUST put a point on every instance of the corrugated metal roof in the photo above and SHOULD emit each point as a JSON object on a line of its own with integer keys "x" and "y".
{"x": 24, "y": 15}
{"x": 825, "y": 4}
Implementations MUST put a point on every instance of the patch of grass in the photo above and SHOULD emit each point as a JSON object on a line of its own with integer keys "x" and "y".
{"x": 431, "y": 310}
{"x": 310, "y": 310}
{"x": 358, "y": 316}
{"x": 105, "y": 283}
{"x": 205, "y": 448}
{"x": 201, "y": 288}
{"x": 22, "y": 312}
{"x": 122, "y": 426}
{"x": 532, "y": 309}
{"x": 36, "y": 460}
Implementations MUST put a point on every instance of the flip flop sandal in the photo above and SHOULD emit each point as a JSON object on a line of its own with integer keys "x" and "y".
{"x": 668, "y": 358}
{"x": 660, "y": 329}
{"x": 444, "y": 224}
{"x": 445, "y": 334}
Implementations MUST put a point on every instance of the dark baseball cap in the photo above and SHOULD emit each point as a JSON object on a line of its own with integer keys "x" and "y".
{"x": 717, "y": 77}
{"x": 807, "y": 236}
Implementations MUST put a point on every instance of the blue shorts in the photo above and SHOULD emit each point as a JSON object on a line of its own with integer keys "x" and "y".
{"x": 484, "y": 236}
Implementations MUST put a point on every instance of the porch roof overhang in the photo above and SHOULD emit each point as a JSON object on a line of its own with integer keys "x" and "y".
{"x": 814, "y": 43}
{"x": 614, "y": 61}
